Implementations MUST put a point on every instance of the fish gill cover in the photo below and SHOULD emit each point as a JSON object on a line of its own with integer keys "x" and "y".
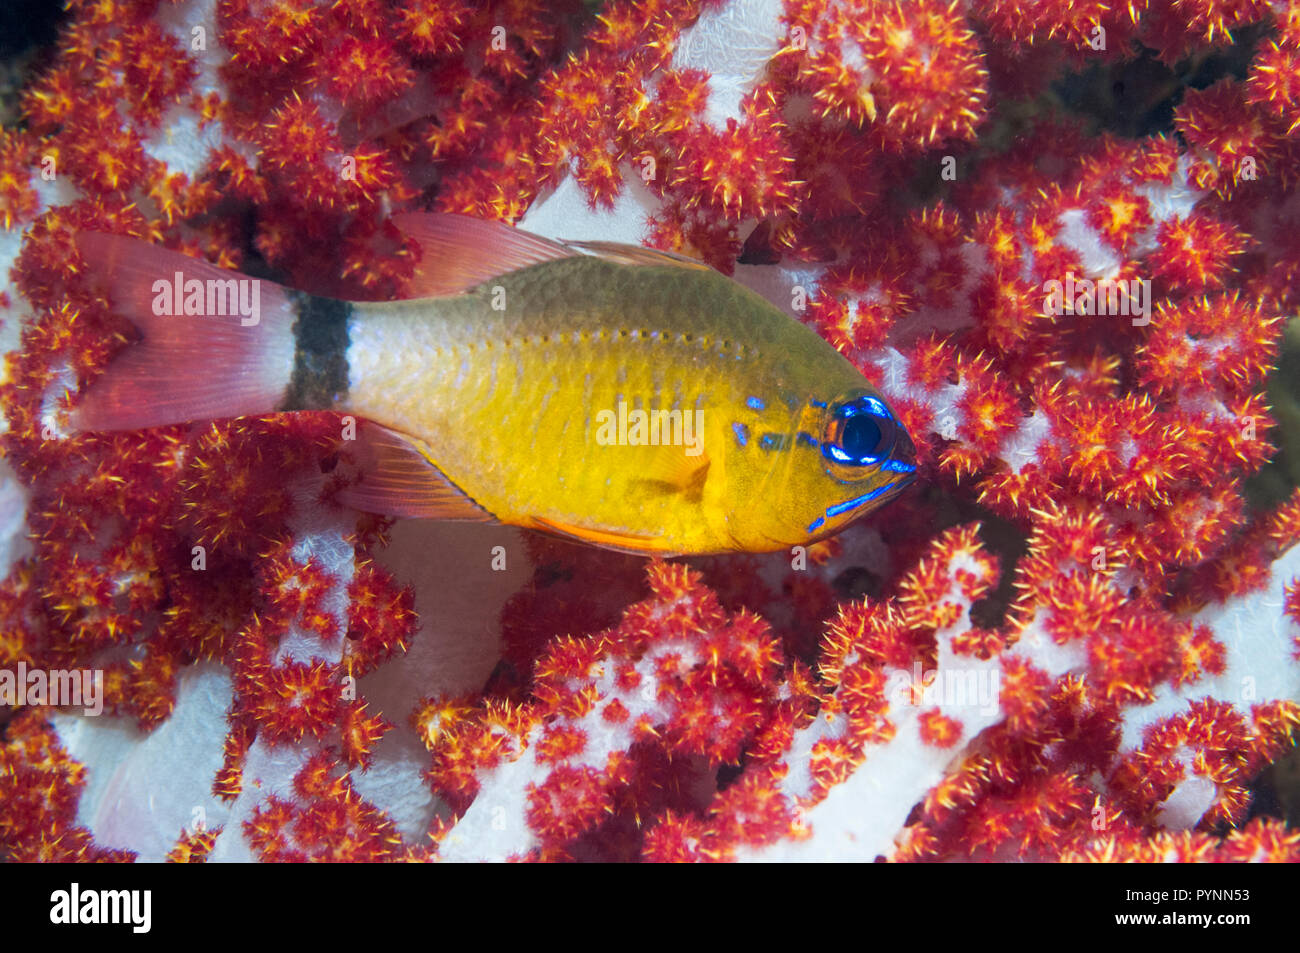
{"x": 1076, "y": 637}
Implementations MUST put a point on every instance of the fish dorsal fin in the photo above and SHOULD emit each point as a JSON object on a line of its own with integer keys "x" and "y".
{"x": 399, "y": 479}
{"x": 637, "y": 255}
{"x": 460, "y": 252}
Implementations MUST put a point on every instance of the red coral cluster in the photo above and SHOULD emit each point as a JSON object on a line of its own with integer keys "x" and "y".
{"x": 620, "y": 724}
{"x": 1084, "y": 508}
{"x": 327, "y": 822}
{"x": 41, "y": 786}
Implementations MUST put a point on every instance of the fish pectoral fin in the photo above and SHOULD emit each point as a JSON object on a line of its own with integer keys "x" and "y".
{"x": 459, "y": 252}
{"x": 638, "y": 255}
{"x": 676, "y": 470}
{"x": 640, "y": 544}
{"x": 398, "y": 478}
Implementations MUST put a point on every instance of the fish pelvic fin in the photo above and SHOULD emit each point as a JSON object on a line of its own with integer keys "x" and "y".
{"x": 674, "y": 470}
{"x": 399, "y": 478}
{"x": 214, "y": 343}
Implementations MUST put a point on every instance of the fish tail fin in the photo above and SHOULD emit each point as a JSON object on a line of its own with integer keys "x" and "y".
{"x": 215, "y": 343}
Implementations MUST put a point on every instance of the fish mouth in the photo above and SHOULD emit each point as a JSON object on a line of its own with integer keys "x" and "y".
{"x": 904, "y": 452}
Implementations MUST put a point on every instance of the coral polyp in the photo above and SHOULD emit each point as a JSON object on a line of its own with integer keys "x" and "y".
{"x": 1061, "y": 238}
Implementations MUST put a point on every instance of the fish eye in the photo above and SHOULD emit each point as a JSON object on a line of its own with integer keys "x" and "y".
{"x": 860, "y": 432}
{"x": 860, "y": 436}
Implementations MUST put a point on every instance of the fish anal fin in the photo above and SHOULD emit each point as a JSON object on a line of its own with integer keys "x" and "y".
{"x": 398, "y": 478}
{"x": 459, "y": 252}
{"x": 639, "y": 544}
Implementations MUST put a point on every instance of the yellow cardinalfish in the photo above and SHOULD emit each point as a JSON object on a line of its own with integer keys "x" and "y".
{"x": 625, "y": 397}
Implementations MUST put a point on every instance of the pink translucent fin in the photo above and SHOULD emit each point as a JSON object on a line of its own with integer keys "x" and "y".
{"x": 638, "y": 255}
{"x": 186, "y": 366}
{"x": 460, "y": 252}
{"x": 398, "y": 479}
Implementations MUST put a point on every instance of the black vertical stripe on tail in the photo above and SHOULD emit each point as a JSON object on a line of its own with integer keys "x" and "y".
{"x": 320, "y": 358}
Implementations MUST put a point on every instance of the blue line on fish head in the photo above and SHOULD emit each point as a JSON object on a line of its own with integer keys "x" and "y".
{"x": 838, "y": 458}
{"x": 866, "y": 450}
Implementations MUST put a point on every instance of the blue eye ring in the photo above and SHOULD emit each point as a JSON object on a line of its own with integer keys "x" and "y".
{"x": 861, "y": 432}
